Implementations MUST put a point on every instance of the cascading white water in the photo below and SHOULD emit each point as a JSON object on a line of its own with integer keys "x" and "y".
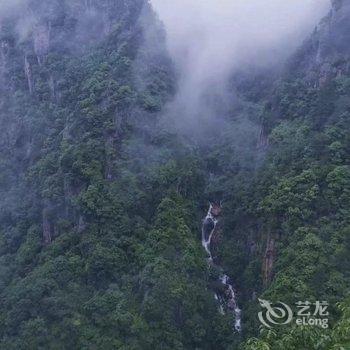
{"x": 212, "y": 221}
{"x": 228, "y": 300}
{"x": 232, "y": 301}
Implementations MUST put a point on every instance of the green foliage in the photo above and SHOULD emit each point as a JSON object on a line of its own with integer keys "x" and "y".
{"x": 85, "y": 161}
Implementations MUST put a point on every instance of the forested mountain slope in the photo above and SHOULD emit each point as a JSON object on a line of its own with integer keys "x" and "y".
{"x": 302, "y": 190}
{"x": 96, "y": 251}
{"x": 101, "y": 201}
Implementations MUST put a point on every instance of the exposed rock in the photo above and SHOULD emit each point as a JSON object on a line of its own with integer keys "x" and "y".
{"x": 41, "y": 37}
{"x": 3, "y": 54}
{"x": 215, "y": 209}
{"x": 47, "y": 239}
{"x": 52, "y": 85}
{"x": 325, "y": 54}
{"x": 268, "y": 261}
{"x": 29, "y": 74}
{"x": 81, "y": 224}
{"x": 337, "y": 4}
{"x": 263, "y": 141}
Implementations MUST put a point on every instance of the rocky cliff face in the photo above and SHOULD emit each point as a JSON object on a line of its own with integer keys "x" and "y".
{"x": 326, "y": 53}
{"x": 42, "y": 46}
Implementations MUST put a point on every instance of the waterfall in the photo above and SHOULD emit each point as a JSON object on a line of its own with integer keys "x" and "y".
{"x": 208, "y": 230}
{"x": 226, "y": 297}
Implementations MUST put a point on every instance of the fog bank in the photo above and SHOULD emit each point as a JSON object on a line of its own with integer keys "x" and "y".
{"x": 209, "y": 39}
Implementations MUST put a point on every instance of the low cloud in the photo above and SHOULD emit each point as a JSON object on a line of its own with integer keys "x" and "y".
{"x": 209, "y": 39}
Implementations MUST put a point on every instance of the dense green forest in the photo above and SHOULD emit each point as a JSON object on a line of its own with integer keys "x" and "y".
{"x": 101, "y": 202}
